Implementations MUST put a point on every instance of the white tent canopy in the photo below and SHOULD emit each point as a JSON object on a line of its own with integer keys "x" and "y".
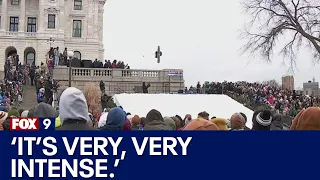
{"x": 221, "y": 106}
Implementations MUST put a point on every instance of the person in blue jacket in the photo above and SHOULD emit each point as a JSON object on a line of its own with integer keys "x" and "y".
{"x": 40, "y": 95}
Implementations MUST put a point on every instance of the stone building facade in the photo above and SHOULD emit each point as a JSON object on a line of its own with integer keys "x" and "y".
{"x": 30, "y": 27}
{"x": 288, "y": 83}
{"x": 311, "y": 88}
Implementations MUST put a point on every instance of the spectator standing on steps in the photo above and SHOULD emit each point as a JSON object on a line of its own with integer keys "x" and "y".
{"x": 102, "y": 87}
{"x": 56, "y": 56}
{"x": 145, "y": 87}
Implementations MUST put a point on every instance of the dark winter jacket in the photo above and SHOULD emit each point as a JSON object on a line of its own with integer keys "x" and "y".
{"x": 73, "y": 124}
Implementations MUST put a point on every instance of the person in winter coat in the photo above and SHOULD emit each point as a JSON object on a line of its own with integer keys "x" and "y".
{"x": 73, "y": 110}
{"x": 154, "y": 121}
{"x": 40, "y": 95}
{"x": 115, "y": 119}
{"x": 277, "y": 123}
{"x": 102, "y": 87}
{"x": 170, "y": 123}
{"x": 145, "y": 88}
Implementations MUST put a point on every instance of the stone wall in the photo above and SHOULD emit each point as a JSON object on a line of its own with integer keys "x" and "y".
{"x": 120, "y": 80}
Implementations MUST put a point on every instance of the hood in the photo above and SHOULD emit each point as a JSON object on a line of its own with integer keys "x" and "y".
{"x": 170, "y": 123}
{"x": 43, "y": 110}
{"x": 73, "y": 105}
{"x": 156, "y": 125}
{"x": 221, "y": 123}
{"x": 116, "y": 117}
{"x": 153, "y": 115}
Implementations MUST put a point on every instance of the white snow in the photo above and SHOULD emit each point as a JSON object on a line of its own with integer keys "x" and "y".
{"x": 221, "y": 106}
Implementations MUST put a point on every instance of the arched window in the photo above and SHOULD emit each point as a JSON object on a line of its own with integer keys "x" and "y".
{"x": 77, "y": 54}
{"x": 30, "y": 57}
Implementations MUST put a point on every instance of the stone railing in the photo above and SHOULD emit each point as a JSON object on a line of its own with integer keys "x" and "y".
{"x": 120, "y": 80}
{"x": 97, "y": 74}
{"x": 116, "y": 73}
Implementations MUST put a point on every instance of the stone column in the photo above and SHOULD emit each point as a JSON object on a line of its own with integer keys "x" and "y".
{"x": 4, "y": 15}
{"x": 22, "y": 18}
{"x": 41, "y": 17}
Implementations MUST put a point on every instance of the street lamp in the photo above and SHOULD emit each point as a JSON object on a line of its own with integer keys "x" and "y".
{"x": 70, "y": 55}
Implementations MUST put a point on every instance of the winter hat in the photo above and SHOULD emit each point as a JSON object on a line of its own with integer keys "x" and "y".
{"x": 13, "y": 112}
{"x": 127, "y": 125}
{"x": 116, "y": 118}
{"x": 308, "y": 119}
{"x": 237, "y": 121}
{"x": 201, "y": 124}
{"x": 43, "y": 110}
{"x": 24, "y": 114}
{"x": 221, "y": 123}
{"x": 73, "y": 105}
{"x": 261, "y": 120}
{"x": 170, "y": 123}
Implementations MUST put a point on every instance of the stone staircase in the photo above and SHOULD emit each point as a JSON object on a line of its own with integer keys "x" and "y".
{"x": 29, "y": 98}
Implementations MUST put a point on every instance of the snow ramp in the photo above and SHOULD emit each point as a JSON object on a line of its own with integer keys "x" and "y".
{"x": 217, "y": 105}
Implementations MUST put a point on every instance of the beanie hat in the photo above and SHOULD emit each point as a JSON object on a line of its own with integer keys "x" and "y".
{"x": 13, "y": 112}
{"x": 264, "y": 118}
{"x": 201, "y": 124}
{"x": 24, "y": 114}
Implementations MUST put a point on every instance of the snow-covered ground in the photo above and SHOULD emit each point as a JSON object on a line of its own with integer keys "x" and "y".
{"x": 172, "y": 104}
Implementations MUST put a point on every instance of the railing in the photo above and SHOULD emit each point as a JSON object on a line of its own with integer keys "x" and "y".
{"x": 102, "y": 72}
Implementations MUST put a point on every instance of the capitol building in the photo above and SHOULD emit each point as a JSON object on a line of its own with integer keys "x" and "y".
{"x": 30, "y": 27}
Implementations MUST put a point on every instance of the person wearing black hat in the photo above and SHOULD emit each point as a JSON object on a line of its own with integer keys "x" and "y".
{"x": 261, "y": 120}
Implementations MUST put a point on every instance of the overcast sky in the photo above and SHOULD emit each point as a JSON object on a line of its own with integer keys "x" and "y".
{"x": 201, "y": 37}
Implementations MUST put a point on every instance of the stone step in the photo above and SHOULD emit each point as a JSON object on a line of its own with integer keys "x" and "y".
{"x": 29, "y": 97}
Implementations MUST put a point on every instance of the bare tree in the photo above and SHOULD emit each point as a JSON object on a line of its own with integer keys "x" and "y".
{"x": 273, "y": 21}
{"x": 272, "y": 83}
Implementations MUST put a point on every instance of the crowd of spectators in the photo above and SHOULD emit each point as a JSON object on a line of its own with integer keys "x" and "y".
{"x": 110, "y": 65}
{"x": 256, "y": 95}
{"x": 11, "y": 87}
{"x": 71, "y": 117}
